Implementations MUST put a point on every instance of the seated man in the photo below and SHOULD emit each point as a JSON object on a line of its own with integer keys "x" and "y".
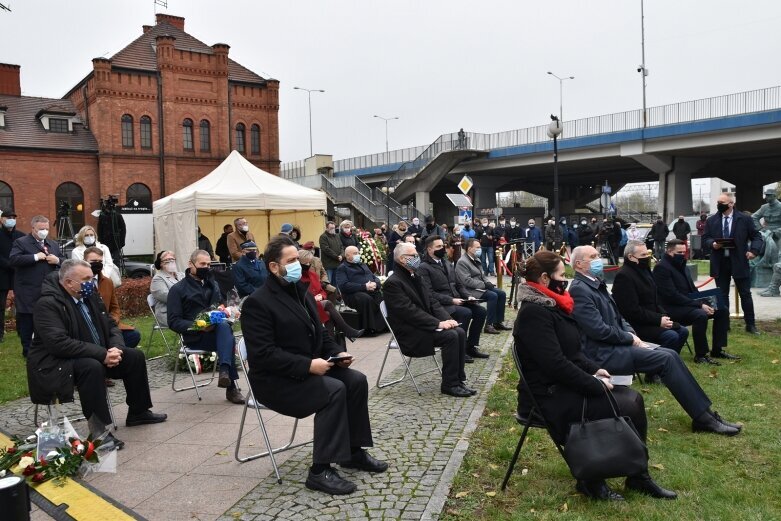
{"x": 469, "y": 273}
{"x": 420, "y": 323}
{"x": 439, "y": 280}
{"x": 288, "y": 351}
{"x": 249, "y": 273}
{"x": 105, "y": 287}
{"x": 77, "y": 344}
{"x": 676, "y": 286}
{"x": 634, "y": 291}
{"x": 196, "y": 293}
{"x": 608, "y": 340}
{"x": 361, "y": 291}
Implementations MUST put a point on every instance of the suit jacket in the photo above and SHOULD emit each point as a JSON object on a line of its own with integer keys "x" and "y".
{"x": 440, "y": 282}
{"x": 30, "y": 273}
{"x": 7, "y": 238}
{"x": 604, "y": 333}
{"x": 634, "y": 292}
{"x": 412, "y": 314}
{"x": 746, "y": 236}
{"x": 674, "y": 285}
{"x": 470, "y": 275}
{"x": 249, "y": 276}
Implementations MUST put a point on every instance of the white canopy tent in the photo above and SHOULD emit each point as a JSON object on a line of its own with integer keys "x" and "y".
{"x": 236, "y": 188}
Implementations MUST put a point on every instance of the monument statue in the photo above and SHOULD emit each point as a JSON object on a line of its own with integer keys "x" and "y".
{"x": 768, "y": 221}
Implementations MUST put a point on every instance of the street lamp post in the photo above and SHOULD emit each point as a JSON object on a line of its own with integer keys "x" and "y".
{"x": 387, "y": 154}
{"x": 554, "y": 130}
{"x": 309, "y": 94}
{"x": 641, "y": 68}
{"x": 561, "y": 90}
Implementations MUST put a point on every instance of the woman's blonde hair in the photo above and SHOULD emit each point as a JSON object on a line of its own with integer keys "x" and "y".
{"x": 83, "y": 232}
{"x": 305, "y": 256}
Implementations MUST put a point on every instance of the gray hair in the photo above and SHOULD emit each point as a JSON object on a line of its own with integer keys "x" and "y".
{"x": 68, "y": 266}
{"x": 578, "y": 254}
{"x": 631, "y": 246}
{"x": 305, "y": 255}
{"x": 38, "y": 219}
{"x": 198, "y": 253}
{"x": 401, "y": 248}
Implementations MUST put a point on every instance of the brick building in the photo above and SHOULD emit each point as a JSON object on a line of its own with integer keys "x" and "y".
{"x": 158, "y": 115}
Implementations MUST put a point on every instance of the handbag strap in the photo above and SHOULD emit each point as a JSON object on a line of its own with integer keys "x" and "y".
{"x": 610, "y": 399}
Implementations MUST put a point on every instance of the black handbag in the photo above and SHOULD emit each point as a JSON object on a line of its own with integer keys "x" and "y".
{"x": 605, "y": 448}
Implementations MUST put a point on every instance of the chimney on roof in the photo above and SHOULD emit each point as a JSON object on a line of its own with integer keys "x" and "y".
{"x": 146, "y": 28}
{"x": 9, "y": 80}
{"x": 176, "y": 21}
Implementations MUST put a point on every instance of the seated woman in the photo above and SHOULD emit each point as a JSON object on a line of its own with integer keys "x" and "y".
{"x": 329, "y": 316}
{"x": 87, "y": 238}
{"x": 547, "y": 341}
{"x": 166, "y": 276}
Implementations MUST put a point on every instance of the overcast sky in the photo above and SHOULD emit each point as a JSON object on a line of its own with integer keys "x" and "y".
{"x": 438, "y": 65}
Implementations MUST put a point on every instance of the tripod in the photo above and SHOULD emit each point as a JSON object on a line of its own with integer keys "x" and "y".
{"x": 64, "y": 229}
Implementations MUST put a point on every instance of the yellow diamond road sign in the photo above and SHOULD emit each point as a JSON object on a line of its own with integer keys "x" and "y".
{"x": 465, "y": 184}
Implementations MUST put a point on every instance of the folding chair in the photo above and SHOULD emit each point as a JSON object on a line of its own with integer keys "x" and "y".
{"x": 150, "y": 301}
{"x": 393, "y": 343}
{"x": 241, "y": 350}
{"x": 184, "y": 353}
{"x": 533, "y": 419}
{"x": 82, "y": 417}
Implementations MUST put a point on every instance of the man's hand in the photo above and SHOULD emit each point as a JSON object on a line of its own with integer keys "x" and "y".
{"x": 448, "y": 324}
{"x": 339, "y": 258}
{"x": 666, "y": 323}
{"x": 750, "y": 255}
{"x": 716, "y": 245}
{"x": 40, "y": 256}
{"x": 636, "y": 341}
{"x": 604, "y": 377}
{"x": 113, "y": 357}
{"x": 602, "y": 372}
{"x": 318, "y": 297}
{"x": 707, "y": 309}
{"x": 52, "y": 259}
{"x": 345, "y": 363}
{"x": 371, "y": 286}
{"x": 458, "y": 301}
{"x": 320, "y": 366}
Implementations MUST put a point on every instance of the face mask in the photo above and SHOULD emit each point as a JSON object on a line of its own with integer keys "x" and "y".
{"x": 10, "y": 223}
{"x": 485, "y": 224}
{"x": 679, "y": 259}
{"x": 702, "y": 217}
{"x": 583, "y": 223}
{"x": 42, "y": 234}
{"x": 416, "y": 221}
{"x": 292, "y": 272}
{"x": 252, "y": 255}
{"x": 351, "y": 258}
{"x": 96, "y": 267}
{"x": 564, "y": 221}
{"x": 203, "y": 273}
{"x": 644, "y": 262}
{"x": 680, "y": 220}
{"x": 402, "y": 231}
{"x": 722, "y": 207}
{"x": 89, "y": 240}
{"x": 596, "y": 268}
{"x": 244, "y": 228}
{"x": 413, "y": 263}
{"x": 659, "y": 221}
{"x": 430, "y": 226}
{"x": 170, "y": 266}
{"x": 491, "y": 226}
{"x": 347, "y": 231}
{"x": 87, "y": 289}
{"x": 478, "y": 253}
{"x": 439, "y": 253}
{"x": 305, "y": 268}
{"x": 466, "y": 226}
{"x": 513, "y": 224}
{"x": 531, "y": 225}
{"x": 558, "y": 286}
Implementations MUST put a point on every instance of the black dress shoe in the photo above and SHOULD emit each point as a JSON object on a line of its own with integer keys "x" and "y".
{"x": 737, "y": 426}
{"x": 112, "y": 443}
{"x": 725, "y": 355}
{"x": 457, "y": 391}
{"x": 502, "y": 327}
{"x": 476, "y": 353}
{"x": 144, "y": 418}
{"x": 234, "y": 396}
{"x": 646, "y": 485}
{"x": 330, "y": 482}
{"x": 752, "y": 329}
{"x": 705, "y": 360}
{"x": 356, "y": 334}
{"x": 362, "y": 460}
{"x": 224, "y": 380}
{"x": 490, "y": 330}
{"x": 707, "y": 422}
{"x": 468, "y": 359}
{"x": 598, "y": 490}
{"x": 468, "y": 389}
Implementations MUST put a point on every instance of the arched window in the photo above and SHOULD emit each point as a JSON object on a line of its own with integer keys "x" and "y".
{"x": 146, "y": 132}
{"x": 127, "y": 131}
{"x": 254, "y": 138}
{"x": 139, "y": 192}
{"x": 69, "y": 201}
{"x": 187, "y": 134}
{"x": 241, "y": 138}
{"x": 6, "y": 196}
{"x": 206, "y": 138}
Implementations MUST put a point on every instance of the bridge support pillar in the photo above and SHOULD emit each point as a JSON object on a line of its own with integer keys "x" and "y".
{"x": 485, "y": 197}
{"x": 423, "y": 202}
{"x": 677, "y": 186}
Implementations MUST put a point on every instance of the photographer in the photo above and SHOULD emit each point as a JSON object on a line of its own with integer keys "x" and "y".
{"x": 111, "y": 227}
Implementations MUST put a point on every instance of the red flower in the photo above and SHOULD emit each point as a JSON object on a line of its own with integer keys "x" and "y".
{"x": 39, "y": 477}
{"x": 11, "y": 450}
{"x": 29, "y": 470}
{"x": 90, "y": 450}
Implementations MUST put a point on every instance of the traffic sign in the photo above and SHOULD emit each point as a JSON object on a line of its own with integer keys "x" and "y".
{"x": 465, "y": 184}
{"x": 464, "y": 215}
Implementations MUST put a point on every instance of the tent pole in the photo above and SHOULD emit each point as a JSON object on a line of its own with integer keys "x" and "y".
{"x": 268, "y": 226}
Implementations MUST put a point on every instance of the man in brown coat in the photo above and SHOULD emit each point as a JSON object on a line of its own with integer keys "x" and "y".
{"x": 239, "y": 237}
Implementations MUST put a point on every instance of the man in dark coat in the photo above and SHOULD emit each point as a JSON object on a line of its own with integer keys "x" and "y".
{"x": 610, "y": 341}
{"x": 33, "y": 257}
{"x": 733, "y": 241}
{"x": 249, "y": 273}
{"x": 8, "y": 234}
{"x": 361, "y": 290}
{"x": 439, "y": 280}
{"x": 205, "y": 244}
{"x": 658, "y": 233}
{"x": 221, "y": 248}
{"x": 675, "y": 287}
{"x": 112, "y": 230}
{"x": 420, "y": 323}
{"x": 416, "y": 230}
{"x": 288, "y": 350}
{"x": 331, "y": 250}
{"x": 77, "y": 344}
{"x": 681, "y": 229}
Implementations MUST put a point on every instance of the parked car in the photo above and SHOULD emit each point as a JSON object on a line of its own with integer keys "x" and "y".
{"x": 137, "y": 270}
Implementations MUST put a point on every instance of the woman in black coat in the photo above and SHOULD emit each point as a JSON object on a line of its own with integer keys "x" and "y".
{"x": 558, "y": 373}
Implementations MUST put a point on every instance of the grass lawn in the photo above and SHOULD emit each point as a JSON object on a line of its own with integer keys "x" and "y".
{"x": 715, "y": 477}
{"x": 13, "y": 373}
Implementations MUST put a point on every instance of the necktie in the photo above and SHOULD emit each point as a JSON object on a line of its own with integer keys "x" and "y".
{"x": 88, "y": 318}
{"x": 725, "y": 233}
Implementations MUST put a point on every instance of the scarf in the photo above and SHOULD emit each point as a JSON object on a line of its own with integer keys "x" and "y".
{"x": 563, "y": 301}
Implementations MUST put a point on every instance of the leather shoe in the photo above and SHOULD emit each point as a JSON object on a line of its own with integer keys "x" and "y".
{"x": 356, "y": 334}
{"x": 490, "y": 330}
{"x": 234, "y": 396}
{"x": 468, "y": 389}
{"x": 476, "y": 353}
{"x": 705, "y": 360}
{"x": 457, "y": 391}
{"x": 707, "y": 422}
{"x": 738, "y": 426}
{"x": 598, "y": 490}
{"x": 111, "y": 443}
{"x": 362, "y": 460}
{"x": 330, "y": 482}
{"x": 144, "y": 418}
{"x": 501, "y": 326}
{"x": 725, "y": 355}
{"x": 468, "y": 359}
{"x": 752, "y": 329}
{"x": 646, "y": 485}
{"x": 224, "y": 380}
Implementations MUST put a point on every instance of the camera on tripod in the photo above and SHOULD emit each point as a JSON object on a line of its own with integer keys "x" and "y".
{"x": 64, "y": 210}
{"x": 109, "y": 204}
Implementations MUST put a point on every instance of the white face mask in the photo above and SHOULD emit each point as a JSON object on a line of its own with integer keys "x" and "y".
{"x": 42, "y": 234}
{"x": 244, "y": 228}
{"x": 89, "y": 240}
{"x": 170, "y": 267}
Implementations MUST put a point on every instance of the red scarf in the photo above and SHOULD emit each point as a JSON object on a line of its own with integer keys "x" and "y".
{"x": 563, "y": 301}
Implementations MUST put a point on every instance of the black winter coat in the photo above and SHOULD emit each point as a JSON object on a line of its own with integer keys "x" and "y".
{"x": 634, "y": 291}
{"x": 7, "y": 238}
{"x": 440, "y": 282}
{"x": 30, "y": 273}
{"x": 186, "y": 299}
{"x": 674, "y": 285}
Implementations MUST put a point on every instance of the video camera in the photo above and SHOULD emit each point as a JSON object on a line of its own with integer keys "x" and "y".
{"x": 109, "y": 203}
{"x": 64, "y": 209}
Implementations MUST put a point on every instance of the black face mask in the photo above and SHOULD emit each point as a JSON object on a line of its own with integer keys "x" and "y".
{"x": 466, "y": 226}
{"x": 680, "y": 220}
{"x": 558, "y": 286}
{"x": 679, "y": 259}
{"x": 96, "y": 267}
{"x": 644, "y": 262}
{"x": 430, "y": 226}
{"x": 305, "y": 268}
{"x": 439, "y": 253}
{"x": 703, "y": 217}
{"x": 722, "y": 207}
{"x": 203, "y": 273}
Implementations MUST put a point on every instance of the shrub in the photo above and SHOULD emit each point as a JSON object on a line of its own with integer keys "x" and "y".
{"x": 131, "y": 296}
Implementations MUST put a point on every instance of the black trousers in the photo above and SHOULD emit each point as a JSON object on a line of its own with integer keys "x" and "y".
{"x": 339, "y": 401}
{"x": 698, "y": 319}
{"x": 744, "y": 289}
{"x": 472, "y": 318}
{"x": 24, "y": 327}
{"x": 368, "y": 307}
{"x": 90, "y": 379}
{"x": 453, "y": 348}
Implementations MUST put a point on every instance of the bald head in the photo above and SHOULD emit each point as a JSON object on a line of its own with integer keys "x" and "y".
{"x": 350, "y": 251}
{"x": 582, "y": 257}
